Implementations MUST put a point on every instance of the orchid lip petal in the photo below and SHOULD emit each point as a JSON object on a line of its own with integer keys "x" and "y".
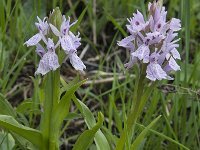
{"x": 173, "y": 64}
{"x": 76, "y": 62}
{"x": 48, "y": 62}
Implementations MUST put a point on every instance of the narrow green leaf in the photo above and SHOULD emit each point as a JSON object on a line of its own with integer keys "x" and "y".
{"x": 5, "y": 107}
{"x": 109, "y": 17}
{"x": 165, "y": 137}
{"x": 62, "y": 108}
{"x": 9, "y": 123}
{"x": 27, "y": 106}
{"x": 72, "y": 9}
{"x": 100, "y": 139}
{"x": 72, "y": 116}
{"x": 23, "y": 143}
{"x": 2, "y": 15}
{"x": 86, "y": 138}
{"x": 7, "y": 77}
{"x": 80, "y": 18}
{"x": 67, "y": 86}
{"x": 142, "y": 135}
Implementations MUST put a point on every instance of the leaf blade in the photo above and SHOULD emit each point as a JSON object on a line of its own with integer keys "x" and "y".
{"x": 100, "y": 139}
{"x": 34, "y": 136}
{"x": 86, "y": 138}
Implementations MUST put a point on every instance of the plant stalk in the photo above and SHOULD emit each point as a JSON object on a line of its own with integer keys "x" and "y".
{"x": 127, "y": 133}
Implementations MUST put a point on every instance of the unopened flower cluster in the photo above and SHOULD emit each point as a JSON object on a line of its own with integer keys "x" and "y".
{"x": 68, "y": 41}
{"x": 153, "y": 42}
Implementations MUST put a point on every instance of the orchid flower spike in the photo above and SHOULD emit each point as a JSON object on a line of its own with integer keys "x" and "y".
{"x": 68, "y": 41}
{"x": 153, "y": 42}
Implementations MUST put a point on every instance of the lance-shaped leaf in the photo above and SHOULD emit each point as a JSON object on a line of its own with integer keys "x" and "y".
{"x": 142, "y": 135}
{"x": 86, "y": 138}
{"x": 62, "y": 108}
{"x": 5, "y": 107}
{"x": 9, "y": 123}
{"x": 100, "y": 139}
{"x": 80, "y": 18}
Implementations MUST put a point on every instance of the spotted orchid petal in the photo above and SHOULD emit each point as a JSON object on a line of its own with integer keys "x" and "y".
{"x": 127, "y": 42}
{"x": 175, "y": 24}
{"x": 70, "y": 42}
{"x": 155, "y": 72}
{"x": 175, "y": 54}
{"x": 48, "y": 62}
{"x": 67, "y": 44}
{"x": 173, "y": 64}
{"x": 76, "y": 61}
{"x": 170, "y": 36}
{"x": 42, "y": 68}
{"x": 143, "y": 53}
{"x": 153, "y": 38}
{"x": 33, "y": 40}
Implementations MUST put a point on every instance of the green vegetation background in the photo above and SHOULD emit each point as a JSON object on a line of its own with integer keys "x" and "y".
{"x": 112, "y": 89}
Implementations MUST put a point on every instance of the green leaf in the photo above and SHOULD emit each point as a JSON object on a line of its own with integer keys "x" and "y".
{"x": 80, "y": 18}
{"x": 23, "y": 143}
{"x": 72, "y": 116}
{"x": 100, "y": 139}
{"x": 62, "y": 108}
{"x": 26, "y": 107}
{"x": 86, "y": 138}
{"x": 6, "y": 141}
{"x": 9, "y": 123}
{"x": 66, "y": 86}
{"x": 110, "y": 18}
{"x": 2, "y": 15}
{"x": 5, "y": 107}
{"x": 164, "y": 136}
{"x": 10, "y": 72}
{"x": 142, "y": 135}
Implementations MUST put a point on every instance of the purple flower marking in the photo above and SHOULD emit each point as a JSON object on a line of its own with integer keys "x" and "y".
{"x": 49, "y": 60}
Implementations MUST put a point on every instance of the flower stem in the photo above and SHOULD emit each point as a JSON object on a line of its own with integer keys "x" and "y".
{"x": 47, "y": 106}
{"x": 50, "y": 135}
{"x": 127, "y": 133}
